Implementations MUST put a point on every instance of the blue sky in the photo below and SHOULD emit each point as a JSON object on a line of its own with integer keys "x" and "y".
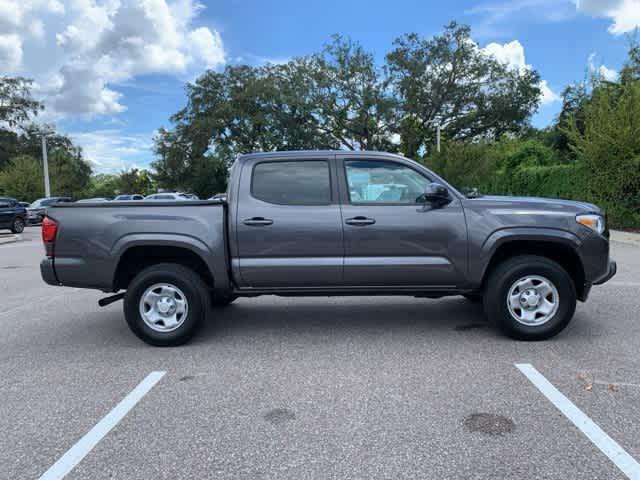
{"x": 111, "y": 72}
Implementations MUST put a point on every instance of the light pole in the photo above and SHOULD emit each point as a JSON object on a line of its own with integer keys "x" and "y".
{"x": 438, "y": 136}
{"x": 45, "y": 164}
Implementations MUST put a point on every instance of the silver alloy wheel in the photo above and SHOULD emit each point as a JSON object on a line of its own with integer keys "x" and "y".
{"x": 163, "y": 307}
{"x": 533, "y": 300}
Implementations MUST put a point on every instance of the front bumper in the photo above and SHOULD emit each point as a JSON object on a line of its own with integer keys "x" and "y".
{"x": 613, "y": 268}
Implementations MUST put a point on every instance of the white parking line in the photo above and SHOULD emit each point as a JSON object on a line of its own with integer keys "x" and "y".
{"x": 593, "y": 432}
{"x": 623, "y": 284}
{"x": 75, "y": 454}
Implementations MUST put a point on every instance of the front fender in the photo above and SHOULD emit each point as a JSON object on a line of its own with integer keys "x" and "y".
{"x": 480, "y": 257}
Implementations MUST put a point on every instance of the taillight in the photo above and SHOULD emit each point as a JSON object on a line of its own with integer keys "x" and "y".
{"x": 49, "y": 231}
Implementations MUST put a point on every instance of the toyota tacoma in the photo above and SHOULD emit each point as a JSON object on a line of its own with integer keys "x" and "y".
{"x": 331, "y": 223}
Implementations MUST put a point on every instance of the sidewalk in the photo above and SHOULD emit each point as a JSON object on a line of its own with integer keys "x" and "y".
{"x": 626, "y": 237}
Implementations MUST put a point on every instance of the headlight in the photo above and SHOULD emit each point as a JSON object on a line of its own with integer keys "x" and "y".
{"x": 594, "y": 222}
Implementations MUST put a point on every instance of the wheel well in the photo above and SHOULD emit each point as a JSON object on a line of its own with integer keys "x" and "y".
{"x": 137, "y": 258}
{"x": 562, "y": 254}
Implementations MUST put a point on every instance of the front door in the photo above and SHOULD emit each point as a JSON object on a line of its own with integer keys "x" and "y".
{"x": 393, "y": 238}
{"x": 288, "y": 224}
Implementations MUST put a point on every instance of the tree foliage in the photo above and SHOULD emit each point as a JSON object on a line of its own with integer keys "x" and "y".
{"x": 22, "y": 179}
{"x": 16, "y": 103}
{"x": 447, "y": 79}
{"x": 352, "y": 101}
{"x": 340, "y": 98}
{"x": 607, "y": 149}
{"x": 134, "y": 181}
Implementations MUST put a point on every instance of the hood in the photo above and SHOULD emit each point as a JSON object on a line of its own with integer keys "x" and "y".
{"x": 537, "y": 203}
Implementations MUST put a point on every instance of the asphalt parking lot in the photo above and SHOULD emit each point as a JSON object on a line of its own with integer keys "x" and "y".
{"x": 314, "y": 387}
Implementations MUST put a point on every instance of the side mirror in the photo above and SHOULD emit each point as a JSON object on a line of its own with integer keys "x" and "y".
{"x": 436, "y": 194}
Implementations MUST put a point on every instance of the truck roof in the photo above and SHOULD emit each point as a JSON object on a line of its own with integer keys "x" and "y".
{"x": 312, "y": 153}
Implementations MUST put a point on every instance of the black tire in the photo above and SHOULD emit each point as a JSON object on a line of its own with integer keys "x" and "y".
{"x": 506, "y": 274}
{"x": 190, "y": 284}
{"x": 222, "y": 300}
{"x": 473, "y": 297}
{"x": 17, "y": 226}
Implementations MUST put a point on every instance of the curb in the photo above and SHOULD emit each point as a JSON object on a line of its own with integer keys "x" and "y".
{"x": 625, "y": 237}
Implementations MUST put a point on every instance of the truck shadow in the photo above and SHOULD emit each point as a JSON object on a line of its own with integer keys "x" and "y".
{"x": 326, "y": 316}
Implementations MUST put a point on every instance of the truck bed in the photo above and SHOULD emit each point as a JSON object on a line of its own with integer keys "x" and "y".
{"x": 93, "y": 238}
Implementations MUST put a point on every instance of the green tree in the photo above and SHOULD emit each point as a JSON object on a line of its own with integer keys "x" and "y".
{"x": 16, "y": 103}
{"x": 101, "y": 185}
{"x": 607, "y": 150}
{"x": 351, "y": 98}
{"x": 22, "y": 179}
{"x": 134, "y": 181}
{"x": 69, "y": 174}
{"x": 16, "y": 107}
{"x": 448, "y": 80}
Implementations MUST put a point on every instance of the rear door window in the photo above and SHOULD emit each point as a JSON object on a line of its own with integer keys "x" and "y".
{"x": 292, "y": 183}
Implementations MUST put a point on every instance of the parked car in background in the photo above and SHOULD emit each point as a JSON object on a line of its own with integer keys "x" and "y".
{"x": 128, "y": 197}
{"x": 93, "y": 200}
{"x": 38, "y": 208}
{"x": 24, "y": 204}
{"x": 13, "y": 216}
{"x": 190, "y": 196}
{"x": 219, "y": 196}
{"x": 168, "y": 197}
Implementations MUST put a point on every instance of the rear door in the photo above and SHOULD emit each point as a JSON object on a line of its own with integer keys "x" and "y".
{"x": 288, "y": 224}
{"x": 393, "y": 238}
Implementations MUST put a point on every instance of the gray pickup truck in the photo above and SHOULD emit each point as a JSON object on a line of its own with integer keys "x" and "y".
{"x": 331, "y": 223}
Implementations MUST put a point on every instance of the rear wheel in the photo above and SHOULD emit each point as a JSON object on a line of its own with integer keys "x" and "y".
{"x": 165, "y": 304}
{"x": 530, "y": 298}
{"x": 18, "y": 225}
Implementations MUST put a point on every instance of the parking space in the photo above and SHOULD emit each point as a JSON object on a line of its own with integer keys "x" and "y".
{"x": 314, "y": 387}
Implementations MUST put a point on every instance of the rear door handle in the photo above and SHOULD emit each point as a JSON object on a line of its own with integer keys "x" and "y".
{"x": 258, "y": 222}
{"x": 360, "y": 221}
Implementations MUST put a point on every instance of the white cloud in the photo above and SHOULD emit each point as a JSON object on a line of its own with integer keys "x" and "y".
{"x": 512, "y": 54}
{"x": 601, "y": 71}
{"x": 500, "y": 18}
{"x": 36, "y": 28}
{"x": 207, "y": 46}
{"x": 547, "y": 96}
{"x": 608, "y": 74}
{"x": 111, "y": 150}
{"x": 10, "y": 53}
{"x": 624, "y": 13}
{"x": 78, "y": 52}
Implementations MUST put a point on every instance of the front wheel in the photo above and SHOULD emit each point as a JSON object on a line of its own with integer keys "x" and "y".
{"x": 530, "y": 298}
{"x": 18, "y": 225}
{"x": 165, "y": 304}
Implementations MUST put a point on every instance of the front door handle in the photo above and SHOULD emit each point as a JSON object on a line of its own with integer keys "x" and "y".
{"x": 258, "y": 222}
{"x": 360, "y": 221}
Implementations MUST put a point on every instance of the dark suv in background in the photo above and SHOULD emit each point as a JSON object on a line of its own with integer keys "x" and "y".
{"x": 13, "y": 216}
{"x": 37, "y": 209}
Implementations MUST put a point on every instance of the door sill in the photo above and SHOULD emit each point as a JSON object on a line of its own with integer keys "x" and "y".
{"x": 404, "y": 290}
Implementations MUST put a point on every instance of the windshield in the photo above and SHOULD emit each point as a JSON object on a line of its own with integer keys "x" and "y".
{"x": 42, "y": 202}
